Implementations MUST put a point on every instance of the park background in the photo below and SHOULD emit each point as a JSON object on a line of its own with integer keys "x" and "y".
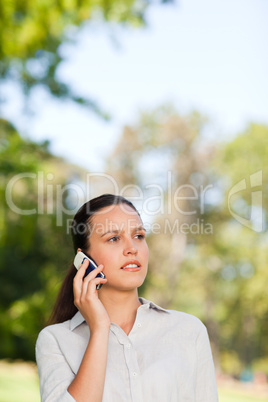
{"x": 165, "y": 103}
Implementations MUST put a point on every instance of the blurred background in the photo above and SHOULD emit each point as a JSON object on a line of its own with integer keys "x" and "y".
{"x": 165, "y": 103}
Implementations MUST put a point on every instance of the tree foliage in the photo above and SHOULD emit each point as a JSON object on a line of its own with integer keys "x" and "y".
{"x": 219, "y": 275}
{"x": 32, "y": 32}
{"x": 34, "y": 249}
{"x": 165, "y": 156}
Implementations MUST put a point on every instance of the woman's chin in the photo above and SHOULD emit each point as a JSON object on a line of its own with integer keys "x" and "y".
{"x": 126, "y": 285}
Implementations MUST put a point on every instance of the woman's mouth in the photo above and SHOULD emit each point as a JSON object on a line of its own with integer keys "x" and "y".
{"x": 131, "y": 267}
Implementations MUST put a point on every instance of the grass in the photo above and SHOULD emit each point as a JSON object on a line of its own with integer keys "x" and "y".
{"x": 19, "y": 382}
{"x": 227, "y": 395}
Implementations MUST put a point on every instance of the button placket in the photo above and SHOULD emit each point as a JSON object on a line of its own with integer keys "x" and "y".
{"x": 134, "y": 371}
{"x": 128, "y": 343}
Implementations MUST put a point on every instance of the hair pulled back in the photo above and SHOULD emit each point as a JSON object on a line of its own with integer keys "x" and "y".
{"x": 64, "y": 308}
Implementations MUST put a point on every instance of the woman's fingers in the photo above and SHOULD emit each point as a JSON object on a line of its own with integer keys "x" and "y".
{"x": 78, "y": 279}
{"x": 82, "y": 269}
{"x": 83, "y": 285}
{"x": 93, "y": 273}
{"x": 91, "y": 281}
{"x": 86, "y": 297}
{"x": 90, "y": 291}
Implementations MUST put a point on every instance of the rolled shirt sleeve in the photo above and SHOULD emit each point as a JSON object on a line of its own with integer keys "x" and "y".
{"x": 206, "y": 387}
{"x": 55, "y": 375}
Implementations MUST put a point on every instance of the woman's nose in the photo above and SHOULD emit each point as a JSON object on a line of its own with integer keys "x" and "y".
{"x": 130, "y": 249}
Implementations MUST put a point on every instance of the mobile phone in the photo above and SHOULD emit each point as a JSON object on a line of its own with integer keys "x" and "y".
{"x": 80, "y": 258}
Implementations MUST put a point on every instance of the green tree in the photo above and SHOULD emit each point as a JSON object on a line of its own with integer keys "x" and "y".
{"x": 165, "y": 155}
{"x": 35, "y": 249}
{"x": 219, "y": 275}
{"x": 32, "y": 32}
{"x": 230, "y": 266}
{"x": 241, "y": 244}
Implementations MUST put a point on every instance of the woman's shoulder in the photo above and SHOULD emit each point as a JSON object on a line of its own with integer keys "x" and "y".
{"x": 186, "y": 325}
{"x": 60, "y": 330}
{"x": 53, "y": 331}
{"x": 186, "y": 319}
{"x": 179, "y": 320}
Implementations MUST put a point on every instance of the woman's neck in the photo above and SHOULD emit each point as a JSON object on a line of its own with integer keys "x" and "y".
{"x": 121, "y": 307}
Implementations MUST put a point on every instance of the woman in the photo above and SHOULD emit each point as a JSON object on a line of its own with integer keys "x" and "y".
{"x": 108, "y": 344}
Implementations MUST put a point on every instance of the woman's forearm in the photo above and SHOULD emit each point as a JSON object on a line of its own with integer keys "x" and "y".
{"x": 89, "y": 382}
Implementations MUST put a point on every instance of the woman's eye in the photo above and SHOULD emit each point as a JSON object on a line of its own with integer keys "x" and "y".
{"x": 140, "y": 236}
{"x": 113, "y": 239}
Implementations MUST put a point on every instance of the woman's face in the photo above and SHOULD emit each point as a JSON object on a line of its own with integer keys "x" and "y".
{"x": 118, "y": 242}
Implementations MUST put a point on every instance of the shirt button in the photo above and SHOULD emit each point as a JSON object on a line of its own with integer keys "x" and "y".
{"x": 128, "y": 346}
{"x": 134, "y": 374}
{"x": 139, "y": 325}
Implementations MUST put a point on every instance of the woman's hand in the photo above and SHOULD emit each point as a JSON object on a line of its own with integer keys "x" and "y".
{"x": 85, "y": 386}
{"x": 86, "y": 298}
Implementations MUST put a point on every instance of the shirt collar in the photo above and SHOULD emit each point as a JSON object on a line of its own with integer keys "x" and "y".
{"x": 78, "y": 319}
{"x": 150, "y": 304}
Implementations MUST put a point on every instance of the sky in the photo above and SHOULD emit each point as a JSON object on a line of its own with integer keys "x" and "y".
{"x": 208, "y": 55}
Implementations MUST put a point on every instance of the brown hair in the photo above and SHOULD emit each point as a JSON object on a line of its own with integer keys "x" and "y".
{"x": 64, "y": 308}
